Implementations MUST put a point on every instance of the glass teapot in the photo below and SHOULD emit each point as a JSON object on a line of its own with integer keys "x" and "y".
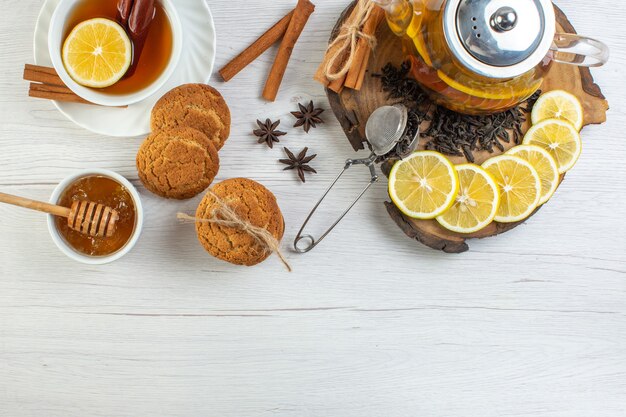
{"x": 485, "y": 56}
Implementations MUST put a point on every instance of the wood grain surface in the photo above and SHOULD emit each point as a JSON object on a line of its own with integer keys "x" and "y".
{"x": 531, "y": 323}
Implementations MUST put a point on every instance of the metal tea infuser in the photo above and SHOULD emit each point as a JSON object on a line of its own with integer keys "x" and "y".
{"x": 385, "y": 130}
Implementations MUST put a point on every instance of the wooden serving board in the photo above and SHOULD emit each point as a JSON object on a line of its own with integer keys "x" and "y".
{"x": 353, "y": 109}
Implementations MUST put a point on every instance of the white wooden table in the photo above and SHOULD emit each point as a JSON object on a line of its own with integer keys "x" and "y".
{"x": 532, "y": 323}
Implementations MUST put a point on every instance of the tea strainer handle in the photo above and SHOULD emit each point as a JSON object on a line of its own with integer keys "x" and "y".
{"x": 579, "y": 50}
{"x": 308, "y": 240}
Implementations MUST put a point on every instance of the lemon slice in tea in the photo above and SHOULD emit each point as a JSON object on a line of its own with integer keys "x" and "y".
{"x": 503, "y": 91}
{"x": 558, "y": 104}
{"x": 520, "y": 187}
{"x": 97, "y": 53}
{"x": 477, "y": 203}
{"x": 544, "y": 164}
{"x": 424, "y": 185}
{"x": 560, "y": 139}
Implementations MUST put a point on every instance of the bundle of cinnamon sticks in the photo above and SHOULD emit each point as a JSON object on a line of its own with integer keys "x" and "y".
{"x": 347, "y": 58}
{"x": 289, "y": 29}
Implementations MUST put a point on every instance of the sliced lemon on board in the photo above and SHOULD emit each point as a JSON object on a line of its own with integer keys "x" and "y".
{"x": 560, "y": 139}
{"x": 424, "y": 185}
{"x": 476, "y": 204}
{"x": 558, "y": 104}
{"x": 544, "y": 164}
{"x": 520, "y": 187}
{"x": 97, "y": 53}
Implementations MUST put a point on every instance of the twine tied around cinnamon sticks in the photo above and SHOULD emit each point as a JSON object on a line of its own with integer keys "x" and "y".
{"x": 345, "y": 44}
{"x": 347, "y": 57}
{"x": 224, "y": 215}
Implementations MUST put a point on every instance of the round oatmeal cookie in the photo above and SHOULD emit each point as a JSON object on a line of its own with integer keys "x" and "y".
{"x": 199, "y": 106}
{"x": 254, "y": 204}
{"x": 179, "y": 163}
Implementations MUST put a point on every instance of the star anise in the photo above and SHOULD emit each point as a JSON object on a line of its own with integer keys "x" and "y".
{"x": 267, "y": 132}
{"x": 308, "y": 116}
{"x": 299, "y": 163}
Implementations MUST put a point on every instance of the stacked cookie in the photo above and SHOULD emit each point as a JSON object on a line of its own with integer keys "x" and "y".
{"x": 179, "y": 160}
{"x": 190, "y": 124}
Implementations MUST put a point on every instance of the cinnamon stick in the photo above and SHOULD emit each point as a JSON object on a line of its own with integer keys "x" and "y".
{"x": 300, "y": 17}
{"x": 337, "y": 85}
{"x": 361, "y": 25}
{"x": 48, "y": 85}
{"x": 39, "y": 68}
{"x": 138, "y": 25}
{"x": 55, "y": 92}
{"x": 320, "y": 75}
{"x": 39, "y": 74}
{"x": 356, "y": 73}
{"x": 269, "y": 38}
{"x": 361, "y": 79}
{"x": 51, "y": 88}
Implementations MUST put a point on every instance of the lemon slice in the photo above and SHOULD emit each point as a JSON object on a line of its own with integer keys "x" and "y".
{"x": 424, "y": 185}
{"x": 520, "y": 187}
{"x": 558, "y": 104}
{"x": 544, "y": 164}
{"x": 560, "y": 139}
{"x": 501, "y": 91}
{"x": 477, "y": 203}
{"x": 97, "y": 53}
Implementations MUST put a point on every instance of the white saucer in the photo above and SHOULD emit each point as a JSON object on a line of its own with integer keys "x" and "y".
{"x": 195, "y": 66}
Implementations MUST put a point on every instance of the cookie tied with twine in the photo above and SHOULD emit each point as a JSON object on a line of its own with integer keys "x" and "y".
{"x": 347, "y": 56}
{"x": 239, "y": 221}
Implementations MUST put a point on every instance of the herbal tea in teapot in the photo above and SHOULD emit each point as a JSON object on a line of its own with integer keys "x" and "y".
{"x": 484, "y": 56}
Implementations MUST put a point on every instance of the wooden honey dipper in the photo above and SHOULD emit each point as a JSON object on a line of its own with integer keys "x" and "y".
{"x": 88, "y": 218}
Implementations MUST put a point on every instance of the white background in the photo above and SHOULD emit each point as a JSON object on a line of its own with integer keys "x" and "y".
{"x": 532, "y": 323}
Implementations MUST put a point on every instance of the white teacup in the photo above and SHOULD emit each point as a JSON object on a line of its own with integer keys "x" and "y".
{"x": 58, "y": 28}
{"x": 71, "y": 252}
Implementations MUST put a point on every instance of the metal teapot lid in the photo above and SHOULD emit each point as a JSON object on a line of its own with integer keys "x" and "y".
{"x": 499, "y": 38}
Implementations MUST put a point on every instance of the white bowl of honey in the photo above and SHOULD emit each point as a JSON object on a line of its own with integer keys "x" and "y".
{"x": 103, "y": 187}
{"x": 150, "y": 69}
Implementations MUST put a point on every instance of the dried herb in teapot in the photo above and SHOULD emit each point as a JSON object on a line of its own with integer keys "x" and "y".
{"x": 399, "y": 86}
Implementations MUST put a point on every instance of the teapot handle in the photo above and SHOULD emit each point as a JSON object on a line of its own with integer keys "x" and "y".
{"x": 579, "y": 50}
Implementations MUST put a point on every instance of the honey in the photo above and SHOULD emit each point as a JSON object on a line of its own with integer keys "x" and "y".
{"x": 106, "y": 191}
{"x": 156, "y": 53}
